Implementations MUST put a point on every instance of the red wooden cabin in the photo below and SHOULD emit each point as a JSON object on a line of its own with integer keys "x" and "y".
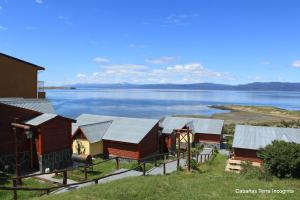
{"x": 47, "y": 143}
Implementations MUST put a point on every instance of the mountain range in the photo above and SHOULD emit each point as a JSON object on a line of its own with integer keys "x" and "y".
{"x": 256, "y": 86}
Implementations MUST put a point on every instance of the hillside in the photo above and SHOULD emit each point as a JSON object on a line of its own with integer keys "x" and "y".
{"x": 257, "y": 86}
{"x": 211, "y": 182}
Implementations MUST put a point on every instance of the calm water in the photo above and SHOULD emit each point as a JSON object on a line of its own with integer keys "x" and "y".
{"x": 158, "y": 103}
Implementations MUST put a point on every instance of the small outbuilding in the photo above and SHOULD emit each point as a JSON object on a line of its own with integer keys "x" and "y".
{"x": 132, "y": 138}
{"x": 36, "y": 137}
{"x": 87, "y": 138}
{"x": 204, "y": 131}
{"x": 248, "y": 140}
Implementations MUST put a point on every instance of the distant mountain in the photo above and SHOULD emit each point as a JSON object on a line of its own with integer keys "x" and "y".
{"x": 257, "y": 86}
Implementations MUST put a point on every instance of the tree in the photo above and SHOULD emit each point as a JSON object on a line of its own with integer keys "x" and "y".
{"x": 281, "y": 159}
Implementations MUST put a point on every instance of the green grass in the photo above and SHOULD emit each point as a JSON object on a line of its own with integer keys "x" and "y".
{"x": 29, "y": 182}
{"x": 102, "y": 169}
{"x": 210, "y": 182}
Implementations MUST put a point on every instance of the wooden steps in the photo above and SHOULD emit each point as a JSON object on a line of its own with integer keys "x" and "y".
{"x": 233, "y": 165}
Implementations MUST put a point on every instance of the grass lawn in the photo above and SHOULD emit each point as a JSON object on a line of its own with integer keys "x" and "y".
{"x": 210, "y": 182}
{"x": 102, "y": 169}
{"x": 29, "y": 182}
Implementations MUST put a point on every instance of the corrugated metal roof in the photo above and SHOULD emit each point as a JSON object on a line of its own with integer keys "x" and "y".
{"x": 123, "y": 129}
{"x": 39, "y": 105}
{"x": 131, "y": 130}
{"x": 40, "y": 119}
{"x": 198, "y": 125}
{"x": 256, "y": 137}
{"x": 95, "y": 132}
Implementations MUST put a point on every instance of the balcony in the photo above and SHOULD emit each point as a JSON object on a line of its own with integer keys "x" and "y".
{"x": 41, "y": 94}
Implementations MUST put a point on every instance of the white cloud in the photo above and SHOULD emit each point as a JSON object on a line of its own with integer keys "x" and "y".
{"x": 137, "y": 46}
{"x": 265, "y": 62}
{"x": 39, "y": 1}
{"x": 65, "y": 19}
{"x": 140, "y": 74}
{"x": 31, "y": 28}
{"x": 162, "y": 60}
{"x": 296, "y": 64}
{"x": 101, "y": 60}
{"x": 180, "y": 19}
{"x": 2, "y": 28}
{"x": 81, "y": 76}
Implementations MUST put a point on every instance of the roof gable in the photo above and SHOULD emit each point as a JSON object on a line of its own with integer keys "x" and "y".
{"x": 256, "y": 137}
{"x": 123, "y": 129}
{"x": 22, "y": 61}
{"x": 38, "y": 105}
{"x": 198, "y": 125}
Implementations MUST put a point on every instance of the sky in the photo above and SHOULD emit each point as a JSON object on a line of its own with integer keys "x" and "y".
{"x": 155, "y": 41}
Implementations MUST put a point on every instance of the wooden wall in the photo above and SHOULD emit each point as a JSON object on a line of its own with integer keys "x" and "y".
{"x": 246, "y": 154}
{"x": 7, "y": 116}
{"x": 121, "y": 149}
{"x": 148, "y": 145}
{"x": 202, "y": 137}
{"x": 17, "y": 79}
{"x": 56, "y": 135}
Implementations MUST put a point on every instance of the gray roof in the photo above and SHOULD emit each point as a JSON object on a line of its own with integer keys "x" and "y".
{"x": 95, "y": 132}
{"x": 123, "y": 129}
{"x": 40, "y": 119}
{"x": 39, "y": 105}
{"x": 256, "y": 137}
{"x": 198, "y": 125}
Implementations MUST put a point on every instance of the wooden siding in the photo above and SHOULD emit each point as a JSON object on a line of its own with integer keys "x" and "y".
{"x": 150, "y": 143}
{"x": 121, "y": 149}
{"x": 246, "y": 154}
{"x": 17, "y": 79}
{"x": 56, "y": 134}
{"x": 212, "y": 138}
{"x": 7, "y": 116}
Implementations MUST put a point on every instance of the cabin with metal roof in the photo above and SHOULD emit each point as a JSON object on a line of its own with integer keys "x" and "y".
{"x": 132, "y": 138}
{"x": 87, "y": 138}
{"x": 36, "y": 137}
{"x": 204, "y": 131}
{"x": 19, "y": 78}
{"x": 249, "y": 139}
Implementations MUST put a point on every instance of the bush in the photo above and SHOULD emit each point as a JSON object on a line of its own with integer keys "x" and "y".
{"x": 194, "y": 164}
{"x": 281, "y": 159}
{"x": 251, "y": 172}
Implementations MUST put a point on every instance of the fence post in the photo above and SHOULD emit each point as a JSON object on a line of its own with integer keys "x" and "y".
{"x": 15, "y": 191}
{"x": 48, "y": 191}
{"x": 144, "y": 168}
{"x": 164, "y": 165}
{"x": 155, "y": 162}
{"x": 200, "y": 158}
{"x": 178, "y": 164}
{"x": 96, "y": 181}
{"x": 65, "y": 177}
{"x": 117, "y": 163}
{"x": 85, "y": 173}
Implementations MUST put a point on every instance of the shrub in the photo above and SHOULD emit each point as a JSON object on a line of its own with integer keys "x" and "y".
{"x": 252, "y": 172}
{"x": 281, "y": 159}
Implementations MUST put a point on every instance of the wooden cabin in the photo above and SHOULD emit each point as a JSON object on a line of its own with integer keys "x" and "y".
{"x": 130, "y": 138}
{"x": 249, "y": 139}
{"x": 204, "y": 131}
{"x": 87, "y": 138}
{"x": 45, "y": 143}
{"x": 19, "y": 78}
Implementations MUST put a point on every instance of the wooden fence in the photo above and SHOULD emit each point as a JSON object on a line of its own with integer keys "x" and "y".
{"x": 142, "y": 165}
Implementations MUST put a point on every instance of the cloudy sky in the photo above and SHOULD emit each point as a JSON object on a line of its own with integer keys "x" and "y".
{"x": 155, "y": 41}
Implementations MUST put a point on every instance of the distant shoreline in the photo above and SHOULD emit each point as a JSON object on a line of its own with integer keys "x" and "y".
{"x": 59, "y": 88}
{"x": 251, "y": 114}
